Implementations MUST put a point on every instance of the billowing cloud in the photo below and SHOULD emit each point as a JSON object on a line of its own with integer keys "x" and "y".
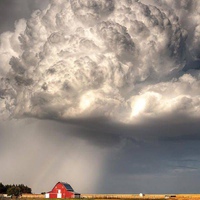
{"x": 77, "y": 59}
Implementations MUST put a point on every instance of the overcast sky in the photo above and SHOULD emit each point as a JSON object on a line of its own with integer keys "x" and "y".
{"x": 102, "y": 94}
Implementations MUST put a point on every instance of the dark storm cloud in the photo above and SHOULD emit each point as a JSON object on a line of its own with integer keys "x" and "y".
{"x": 12, "y": 10}
{"x": 102, "y": 131}
{"x": 99, "y": 132}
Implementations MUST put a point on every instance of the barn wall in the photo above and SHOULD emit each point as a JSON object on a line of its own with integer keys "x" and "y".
{"x": 59, "y": 188}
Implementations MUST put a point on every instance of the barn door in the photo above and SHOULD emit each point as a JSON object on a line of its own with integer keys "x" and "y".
{"x": 59, "y": 194}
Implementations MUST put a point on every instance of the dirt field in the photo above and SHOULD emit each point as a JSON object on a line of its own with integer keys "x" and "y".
{"x": 145, "y": 197}
{"x": 188, "y": 196}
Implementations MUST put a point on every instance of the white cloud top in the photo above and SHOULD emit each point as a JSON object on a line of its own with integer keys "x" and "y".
{"x": 116, "y": 59}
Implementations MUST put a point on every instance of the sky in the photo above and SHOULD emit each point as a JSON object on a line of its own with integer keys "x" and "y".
{"x": 102, "y": 94}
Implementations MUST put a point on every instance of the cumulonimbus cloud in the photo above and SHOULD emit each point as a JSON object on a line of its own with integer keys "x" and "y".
{"x": 116, "y": 59}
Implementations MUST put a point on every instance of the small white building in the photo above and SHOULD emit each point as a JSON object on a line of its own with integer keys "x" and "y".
{"x": 141, "y": 195}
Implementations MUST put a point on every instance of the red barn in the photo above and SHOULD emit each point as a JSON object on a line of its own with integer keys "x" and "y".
{"x": 62, "y": 190}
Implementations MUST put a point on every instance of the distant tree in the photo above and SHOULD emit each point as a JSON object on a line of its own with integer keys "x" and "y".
{"x": 25, "y": 189}
{"x": 14, "y": 191}
{"x": 43, "y": 192}
{"x": 2, "y": 189}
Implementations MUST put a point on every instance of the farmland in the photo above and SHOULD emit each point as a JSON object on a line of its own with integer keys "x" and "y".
{"x": 125, "y": 197}
{"x": 145, "y": 197}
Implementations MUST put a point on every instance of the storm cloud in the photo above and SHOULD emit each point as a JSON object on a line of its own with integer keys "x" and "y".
{"x": 119, "y": 78}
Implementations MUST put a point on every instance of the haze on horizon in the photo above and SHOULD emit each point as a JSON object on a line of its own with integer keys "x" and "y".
{"x": 103, "y": 94}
